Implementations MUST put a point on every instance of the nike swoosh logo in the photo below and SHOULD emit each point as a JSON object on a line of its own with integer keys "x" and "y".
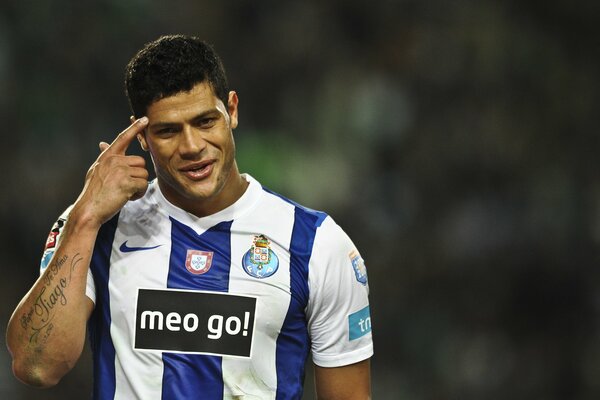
{"x": 126, "y": 249}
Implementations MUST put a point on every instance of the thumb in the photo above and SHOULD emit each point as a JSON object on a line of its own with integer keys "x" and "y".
{"x": 103, "y": 146}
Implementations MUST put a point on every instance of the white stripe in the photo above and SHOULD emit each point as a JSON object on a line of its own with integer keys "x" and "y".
{"x": 138, "y": 374}
{"x": 275, "y": 219}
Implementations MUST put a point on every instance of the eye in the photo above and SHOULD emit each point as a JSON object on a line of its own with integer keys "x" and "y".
{"x": 205, "y": 123}
{"x": 165, "y": 131}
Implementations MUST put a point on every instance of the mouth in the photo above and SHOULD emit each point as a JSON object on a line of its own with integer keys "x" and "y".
{"x": 198, "y": 171}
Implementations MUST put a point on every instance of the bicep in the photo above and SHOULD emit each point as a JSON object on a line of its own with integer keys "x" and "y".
{"x": 350, "y": 382}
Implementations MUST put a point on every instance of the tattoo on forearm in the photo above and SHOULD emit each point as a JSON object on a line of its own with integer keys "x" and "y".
{"x": 51, "y": 296}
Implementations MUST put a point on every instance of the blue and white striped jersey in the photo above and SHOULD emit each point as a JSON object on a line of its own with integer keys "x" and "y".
{"x": 221, "y": 307}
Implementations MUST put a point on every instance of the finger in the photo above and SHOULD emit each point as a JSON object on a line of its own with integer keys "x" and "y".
{"x": 124, "y": 139}
{"x": 139, "y": 173}
{"x": 103, "y": 146}
{"x": 135, "y": 161}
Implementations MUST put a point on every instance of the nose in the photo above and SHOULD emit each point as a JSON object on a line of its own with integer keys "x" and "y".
{"x": 191, "y": 143}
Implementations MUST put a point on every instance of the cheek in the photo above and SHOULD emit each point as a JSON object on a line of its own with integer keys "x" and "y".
{"x": 161, "y": 152}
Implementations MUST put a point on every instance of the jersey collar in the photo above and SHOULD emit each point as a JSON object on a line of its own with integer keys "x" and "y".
{"x": 244, "y": 204}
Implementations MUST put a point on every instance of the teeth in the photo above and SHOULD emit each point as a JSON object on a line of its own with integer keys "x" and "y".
{"x": 196, "y": 169}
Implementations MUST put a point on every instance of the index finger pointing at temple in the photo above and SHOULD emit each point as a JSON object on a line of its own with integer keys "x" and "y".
{"x": 124, "y": 139}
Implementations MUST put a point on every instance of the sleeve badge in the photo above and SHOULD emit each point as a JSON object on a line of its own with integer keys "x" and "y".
{"x": 358, "y": 264}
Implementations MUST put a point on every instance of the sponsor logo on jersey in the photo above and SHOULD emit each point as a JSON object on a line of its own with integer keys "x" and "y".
{"x": 358, "y": 264}
{"x": 198, "y": 262}
{"x": 260, "y": 261}
{"x": 126, "y": 249}
{"x": 359, "y": 323}
{"x": 184, "y": 321}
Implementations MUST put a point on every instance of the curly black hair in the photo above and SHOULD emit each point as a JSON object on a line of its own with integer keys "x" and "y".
{"x": 169, "y": 65}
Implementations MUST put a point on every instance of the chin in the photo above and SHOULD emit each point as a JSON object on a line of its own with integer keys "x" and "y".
{"x": 197, "y": 194}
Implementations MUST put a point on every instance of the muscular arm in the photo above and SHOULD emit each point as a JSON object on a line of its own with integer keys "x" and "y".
{"x": 351, "y": 382}
{"x": 46, "y": 332}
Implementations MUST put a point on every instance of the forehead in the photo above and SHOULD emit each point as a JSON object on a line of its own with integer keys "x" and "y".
{"x": 200, "y": 99}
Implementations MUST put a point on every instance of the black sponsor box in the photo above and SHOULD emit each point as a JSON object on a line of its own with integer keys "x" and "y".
{"x": 185, "y": 321}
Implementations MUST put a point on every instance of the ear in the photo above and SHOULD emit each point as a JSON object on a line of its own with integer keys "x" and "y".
{"x": 141, "y": 137}
{"x": 232, "y": 107}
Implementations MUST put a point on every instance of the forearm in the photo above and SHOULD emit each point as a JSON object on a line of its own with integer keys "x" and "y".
{"x": 351, "y": 382}
{"x": 46, "y": 332}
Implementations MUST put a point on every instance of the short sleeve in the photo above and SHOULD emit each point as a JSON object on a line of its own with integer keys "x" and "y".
{"x": 338, "y": 312}
{"x": 52, "y": 243}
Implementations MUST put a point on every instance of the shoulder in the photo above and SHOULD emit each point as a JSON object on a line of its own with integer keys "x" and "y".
{"x": 329, "y": 239}
{"x": 302, "y": 214}
{"x": 331, "y": 236}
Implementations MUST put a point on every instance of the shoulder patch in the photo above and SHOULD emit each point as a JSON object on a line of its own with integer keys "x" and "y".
{"x": 56, "y": 230}
{"x": 52, "y": 242}
{"x": 358, "y": 264}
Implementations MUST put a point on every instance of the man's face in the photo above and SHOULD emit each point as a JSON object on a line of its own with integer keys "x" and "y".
{"x": 190, "y": 138}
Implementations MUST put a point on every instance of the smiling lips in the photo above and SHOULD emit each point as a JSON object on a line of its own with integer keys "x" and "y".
{"x": 198, "y": 171}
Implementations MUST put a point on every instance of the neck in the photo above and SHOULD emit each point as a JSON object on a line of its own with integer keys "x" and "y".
{"x": 232, "y": 190}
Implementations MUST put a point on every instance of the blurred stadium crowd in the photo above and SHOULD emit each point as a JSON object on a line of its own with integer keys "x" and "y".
{"x": 455, "y": 141}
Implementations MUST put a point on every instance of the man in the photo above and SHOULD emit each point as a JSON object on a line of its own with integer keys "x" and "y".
{"x": 201, "y": 283}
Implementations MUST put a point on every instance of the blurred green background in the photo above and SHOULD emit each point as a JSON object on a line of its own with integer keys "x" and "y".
{"x": 455, "y": 142}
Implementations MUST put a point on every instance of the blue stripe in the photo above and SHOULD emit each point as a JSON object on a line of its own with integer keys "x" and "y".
{"x": 99, "y": 323}
{"x": 188, "y": 376}
{"x": 293, "y": 341}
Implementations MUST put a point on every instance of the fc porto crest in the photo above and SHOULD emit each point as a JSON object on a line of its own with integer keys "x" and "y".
{"x": 198, "y": 262}
{"x": 260, "y": 261}
{"x": 358, "y": 264}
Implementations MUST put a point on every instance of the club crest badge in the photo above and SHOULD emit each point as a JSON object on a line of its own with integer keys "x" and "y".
{"x": 198, "y": 262}
{"x": 358, "y": 264}
{"x": 260, "y": 261}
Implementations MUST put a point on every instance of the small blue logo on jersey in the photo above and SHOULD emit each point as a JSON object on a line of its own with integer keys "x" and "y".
{"x": 359, "y": 323}
{"x": 126, "y": 249}
{"x": 358, "y": 264}
{"x": 260, "y": 261}
{"x": 46, "y": 259}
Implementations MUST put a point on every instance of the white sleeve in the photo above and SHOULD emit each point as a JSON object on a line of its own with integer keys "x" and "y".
{"x": 90, "y": 287}
{"x": 338, "y": 313}
{"x": 51, "y": 244}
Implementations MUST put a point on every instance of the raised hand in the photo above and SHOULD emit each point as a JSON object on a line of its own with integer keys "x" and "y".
{"x": 114, "y": 178}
